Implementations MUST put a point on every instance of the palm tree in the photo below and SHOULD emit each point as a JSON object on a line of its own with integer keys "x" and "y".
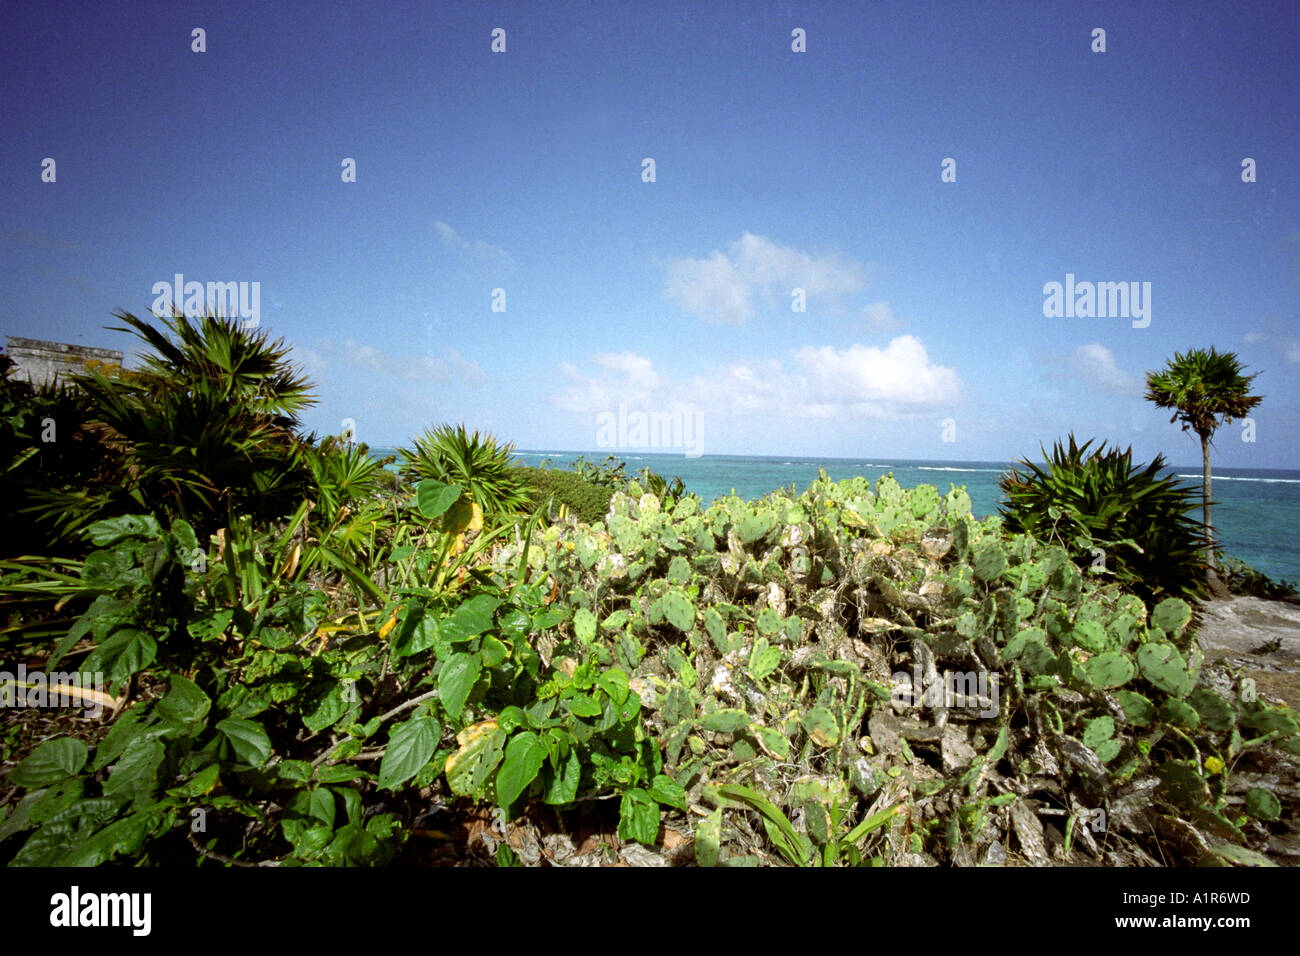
{"x": 218, "y": 355}
{"x": 206, "y": 428}
{"x": 1206, "y": 389}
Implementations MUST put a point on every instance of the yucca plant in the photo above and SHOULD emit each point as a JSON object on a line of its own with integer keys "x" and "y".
{"x": 481, "y": 465}
{"x": 1140, "y": 519}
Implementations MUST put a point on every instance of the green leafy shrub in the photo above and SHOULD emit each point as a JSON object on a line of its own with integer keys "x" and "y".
{"x": 758, "y": 656}
{"x": 610, "y": 473}
{"x": 1241, "y": 578}
{"x": 1112, "y": 517}
{"x": 345, "y": 475}
{"x": 585, "y": 500}
{"x": 45, "y": 447}
{"x": 284, "y": 730}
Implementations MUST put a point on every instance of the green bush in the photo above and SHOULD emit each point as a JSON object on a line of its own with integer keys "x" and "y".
{"x": 205, "y": 428}
{"x": 45, "y": 448}
{"x": 1240, "y": 578}
{"x": 585, "y": 500}
{"x": 1112, "y": 517}
{"x": 480, "y": 464}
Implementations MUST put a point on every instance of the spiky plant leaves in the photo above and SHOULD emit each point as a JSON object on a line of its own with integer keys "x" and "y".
{"x": 480, "y": 464}
{"x": 1139, "y": 518}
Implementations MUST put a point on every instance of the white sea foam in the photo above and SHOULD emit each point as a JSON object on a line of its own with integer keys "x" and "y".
{"x": 992, "y": 471}
{"x": 1267, "y": 481}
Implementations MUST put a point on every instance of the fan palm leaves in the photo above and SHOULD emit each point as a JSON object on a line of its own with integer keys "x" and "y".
{"x": 1205, "y": 389}
{"x": 205, "y": 429}
{"x": 218, "y": 355}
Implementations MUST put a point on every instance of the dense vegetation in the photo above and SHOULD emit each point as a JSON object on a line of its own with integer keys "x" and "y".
{"x": 554, "y": 488}
{"x": 336, "y": 669}
{"x": 1113, "y": 517}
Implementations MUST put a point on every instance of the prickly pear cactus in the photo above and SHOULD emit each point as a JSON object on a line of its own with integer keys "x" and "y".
{"x": 678, "y": 609}
{"x": 763, "y": 660}
{"x": 754, "y": 526}
{"x": 768, "y": 621}
{"x": 1164, "y": 667}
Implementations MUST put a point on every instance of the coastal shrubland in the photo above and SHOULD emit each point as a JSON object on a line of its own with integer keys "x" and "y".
{"x": 553, "y": 488}
{"x": 854, "y": 674}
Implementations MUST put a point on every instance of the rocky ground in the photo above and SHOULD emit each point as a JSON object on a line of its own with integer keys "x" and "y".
{"x": 1259, "y": 637}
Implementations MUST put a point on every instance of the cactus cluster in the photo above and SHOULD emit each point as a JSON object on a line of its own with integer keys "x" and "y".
{"x": 767, "y": 639}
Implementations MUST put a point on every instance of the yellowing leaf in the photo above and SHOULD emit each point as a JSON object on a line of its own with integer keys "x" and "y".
{"x": 457, "y": 546}
{"x": 291, "y": 564}
{"x": 388, "y": 626}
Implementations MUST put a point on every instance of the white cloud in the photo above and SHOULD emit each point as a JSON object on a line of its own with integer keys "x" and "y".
{"x": 722, "y": 287}
{"x": 422, "y": 368}
{"x": 879, "y": 317}
{"x": 1095, "y": 365}
{"x": 820, "y": 382}
{"x": 899, "y": 375}
{"x": 467, "y": 370}
{"x": 1279, "y": 339}
{"x": 483, "y": 251}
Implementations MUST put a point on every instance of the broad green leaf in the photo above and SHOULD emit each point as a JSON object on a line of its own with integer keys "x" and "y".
{"x": 338, "y": 773}
{"x": 456, "y": 680}
{"x": 186, "y": 705}
{"x": 123, "y": 836}
{"x": 468, "y": 769}
{"x": 418, "y": 631}
{"x": 123, "y": 654}
{"x": 614, "y": 682}
{"x": 562, "y": 786}
{"x": 410, "y": 747}
{"x": 250, "y": 740}
{"x": 585, "y": 705}
{"x": 200, "y": 783}
{"x": 638, "y": 817}
{"x": 137, "y": 768}
{"x": 470, "y": 619}
{"x": 329, "y": 709}
{"x": 668, "y": 792}
{"x": 523, "y": 760}
{"x": 52, "y": 761}
{"x": 433, "y": 497}
{"x": 112, "y": 530}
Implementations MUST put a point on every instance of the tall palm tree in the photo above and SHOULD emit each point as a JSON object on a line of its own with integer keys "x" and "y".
{"x": 1206, "y": 389}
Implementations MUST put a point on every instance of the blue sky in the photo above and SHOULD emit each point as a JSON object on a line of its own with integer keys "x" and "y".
{"x": 924, "y": 334}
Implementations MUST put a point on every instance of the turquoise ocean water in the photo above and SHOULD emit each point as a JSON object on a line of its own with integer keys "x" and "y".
{"x": 1255, "y": 510}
